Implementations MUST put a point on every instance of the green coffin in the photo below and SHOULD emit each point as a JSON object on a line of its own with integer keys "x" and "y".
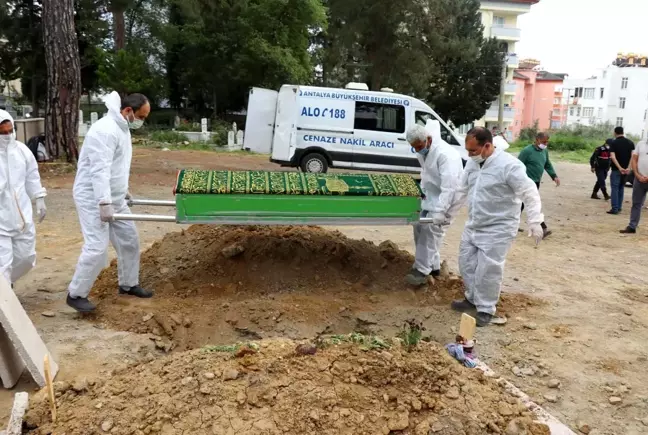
{"x": 260, "y": 197}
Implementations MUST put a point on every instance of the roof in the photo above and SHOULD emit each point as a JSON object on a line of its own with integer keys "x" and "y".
{"x": 547, "y": 76}
{"x": 528, "y": 2}
{"x": 517, "y": 75}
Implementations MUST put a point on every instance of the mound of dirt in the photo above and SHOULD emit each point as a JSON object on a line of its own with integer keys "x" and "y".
{"x": 341, "y": 389}
{"x": 219, "y": 284}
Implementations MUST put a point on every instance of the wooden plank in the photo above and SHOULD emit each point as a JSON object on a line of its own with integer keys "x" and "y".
{"x": 50, "y": 387}
{"x": 467, "y": 326}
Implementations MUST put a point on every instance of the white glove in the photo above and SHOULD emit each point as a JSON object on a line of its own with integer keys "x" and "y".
{"x": 106, "y": 212}
{"x": 536, "y": 231}
{"x": 129, "y": 199}
{"x": 439, "y": 219}
{"x": 41, "y": 210}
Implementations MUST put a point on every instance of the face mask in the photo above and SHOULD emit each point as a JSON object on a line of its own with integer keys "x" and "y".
{"x": 477, "y": 159}
{"x": 424, "y": 152}
{"x": 135, "y": 123}
{"x": 542, "y": 146}
{"x": 5, "y": 140}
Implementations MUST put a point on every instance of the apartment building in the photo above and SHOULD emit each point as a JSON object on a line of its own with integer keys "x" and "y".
{"x": 500, "y": 20}
{"x": 617, "y": 94}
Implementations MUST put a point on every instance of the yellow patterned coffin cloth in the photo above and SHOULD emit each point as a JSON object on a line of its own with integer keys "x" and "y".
{"x": 293, "y": 183}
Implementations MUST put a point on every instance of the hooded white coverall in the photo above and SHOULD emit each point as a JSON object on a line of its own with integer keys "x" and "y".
{"x": 102, "y": 177}
{"x": 440, "y": 178}
{"x": 19, "y": 184}
{"x": 494, "y": 192}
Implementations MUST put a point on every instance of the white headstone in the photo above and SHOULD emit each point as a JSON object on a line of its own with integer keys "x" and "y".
{"x": 176, "y": 122}
{"x": 234, "y": 127}
{"x": 94, "y": 116}
{"x": 230, "y": 138}
{"x": 203, "y": 125}
{"x": 239, "y": 137}
{"x": 80, "y": 116}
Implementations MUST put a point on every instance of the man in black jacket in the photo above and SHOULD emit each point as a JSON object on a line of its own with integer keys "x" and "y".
{"x": 620, "y": 154}
{"x": 600, "y": 163}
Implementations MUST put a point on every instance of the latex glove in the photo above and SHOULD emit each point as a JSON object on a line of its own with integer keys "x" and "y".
{"x": 41, "y": 210}
{"x": 536, "y": 231}
{"x": 106, "y": 212}
{"x": 439, "y": 219}
{"x": 129, "y": 199}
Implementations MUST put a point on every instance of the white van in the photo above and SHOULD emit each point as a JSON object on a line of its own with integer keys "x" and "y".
{"x": 319, "y": 128}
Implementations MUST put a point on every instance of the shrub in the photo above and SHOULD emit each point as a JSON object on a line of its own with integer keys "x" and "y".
{"x": 529, "y": 134}
{"x": 168, "y": 137}
{"x": 220, "y": 130}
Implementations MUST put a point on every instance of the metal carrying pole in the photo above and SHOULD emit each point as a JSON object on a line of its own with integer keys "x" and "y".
{"x": 144, "y": 217}
{"x": 152, "y": 202}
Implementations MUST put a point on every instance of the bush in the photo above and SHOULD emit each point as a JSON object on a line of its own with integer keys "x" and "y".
{"x": 168, "y": 137}
{"x": 220, "y": 129}
{"x": 529, "y": 134}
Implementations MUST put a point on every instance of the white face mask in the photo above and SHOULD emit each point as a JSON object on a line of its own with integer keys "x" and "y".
{"x": 135, "y": 123}
{"x": 542, "y": 146}
{"x": 477, "y": 159}
{"x": 5, "y": 140}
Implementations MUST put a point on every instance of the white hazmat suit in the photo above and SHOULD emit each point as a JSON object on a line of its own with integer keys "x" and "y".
{"x": 102, "y": 178}
{"x": 494, "y": 192}
{"x": 440, "y": 177}
{"x": 20, "y": 183}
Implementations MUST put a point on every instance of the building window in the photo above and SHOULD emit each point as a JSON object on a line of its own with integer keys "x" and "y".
{"x": 498, "y": 21}
{"x": 600, "y": 113}
{"x": 589, "y": 93}
{"x": 624, "y": 83}
{"x": 556, "y": 112}
{"x": 571, "y": 111}
{"x": 619, "y": 122}
{"x": 622, "y": 102}
{"x": 588, "y": 112}
{"x": 556, "y": 100}
{"x": 602, "y": 93}
{"x": 380, "y": 117}
{"x": 578, "y": 93}
{"x": 578, "y": 111}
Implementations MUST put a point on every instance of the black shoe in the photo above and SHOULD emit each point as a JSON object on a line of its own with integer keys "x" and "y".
{"x": 520, "y": 230}
{"x": 463, "y": 306}
{"x": 613, "y": 212}
{"x": 629, "y": 230}
{"x": 546, "y": 233}
{"x": 485, "y": 319}
{"x": 136, "y": 291}
{"x": 435, "y": 273}
{"x": 595, "y": 196}
{"x": 416, "y": 278}
{"x": 82, "y": 305}
{"x": 606, "y": 197}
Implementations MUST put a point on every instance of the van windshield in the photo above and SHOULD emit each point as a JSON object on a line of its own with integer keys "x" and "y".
{"x": 446, "y": 134}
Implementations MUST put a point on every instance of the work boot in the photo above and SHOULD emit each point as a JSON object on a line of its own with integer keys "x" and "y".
{"x": 435, "y": 273}
{"x": 595, "y": 196}
{"x": 546, "y": 233}
{"x": 463, "y": 306}
{"x": 136, "y": 291}
{"x": 629, "y": 230}
{"x": 82, "y": 305}
{"x": 485, "y": 319}
{"x": 416, "y": 278}
{"x": 606, "y": 197}
{"x": 613, "y": 212}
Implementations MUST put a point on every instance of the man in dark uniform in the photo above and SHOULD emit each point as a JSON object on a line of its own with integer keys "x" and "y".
{"x": 600, "y": 163}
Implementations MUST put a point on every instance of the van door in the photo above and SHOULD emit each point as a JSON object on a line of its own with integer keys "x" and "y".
{"x": 260, "y": 123}
{"x": 379, "y": 138}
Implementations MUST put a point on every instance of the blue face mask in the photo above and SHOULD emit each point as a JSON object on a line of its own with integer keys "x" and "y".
{"x": 424, "y": 152}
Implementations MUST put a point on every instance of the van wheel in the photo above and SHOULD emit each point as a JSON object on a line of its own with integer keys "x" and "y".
{"x": 314, "y": 163}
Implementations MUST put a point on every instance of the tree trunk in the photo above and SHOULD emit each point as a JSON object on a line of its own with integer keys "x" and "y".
{"x": 63, "y": 79}
{"x": 120, "y": 28}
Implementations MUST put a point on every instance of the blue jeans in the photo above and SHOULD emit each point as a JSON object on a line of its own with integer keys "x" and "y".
{"x": 617, "y": 183}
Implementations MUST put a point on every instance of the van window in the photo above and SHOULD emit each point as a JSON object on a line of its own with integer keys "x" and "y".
{"x": 379, "y": 117}
{"x": 422, "y": 119}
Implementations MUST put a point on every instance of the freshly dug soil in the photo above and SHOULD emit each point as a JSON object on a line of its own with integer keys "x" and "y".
{"x": 276, "y": 390}
{"x": 216, "y": 284}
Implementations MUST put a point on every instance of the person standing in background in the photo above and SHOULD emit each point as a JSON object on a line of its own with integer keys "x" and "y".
{"x": 620, "y": 154}
{"x": 600, "y": 164}
{"x": 535, "y": 158}
{"x": 639, "y": 163}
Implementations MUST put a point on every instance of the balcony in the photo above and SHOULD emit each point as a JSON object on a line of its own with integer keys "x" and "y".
{"x": 510, "y": 88}
{"x": 492, "y": 114}
{"x": 512, "y": 60}
{"x": 506, "y": 33}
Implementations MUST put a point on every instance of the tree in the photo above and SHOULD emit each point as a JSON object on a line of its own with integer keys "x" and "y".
{"x": 63, "y": 79}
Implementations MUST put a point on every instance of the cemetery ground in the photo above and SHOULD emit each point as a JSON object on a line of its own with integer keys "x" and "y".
{"x": 578, "y": 304}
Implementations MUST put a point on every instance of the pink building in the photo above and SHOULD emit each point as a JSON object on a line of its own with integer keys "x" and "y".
{"x": 537, "y": 97}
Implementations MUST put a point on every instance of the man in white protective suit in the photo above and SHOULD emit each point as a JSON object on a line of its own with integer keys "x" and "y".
{"x": 20, "y": 184}
{"x": 494, "y": 185}
{"x": 441, "y": 170}
{"x": 100, "y": 191}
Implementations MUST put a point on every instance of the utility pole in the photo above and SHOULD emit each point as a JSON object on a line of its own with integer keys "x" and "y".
{"x": 500, "y": 114}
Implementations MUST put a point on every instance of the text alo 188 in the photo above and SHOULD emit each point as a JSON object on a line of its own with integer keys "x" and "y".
{"x": 316, "y": 112}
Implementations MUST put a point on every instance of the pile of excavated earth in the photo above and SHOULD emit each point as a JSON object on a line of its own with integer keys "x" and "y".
{"x": 345, "y": 385}
{"x": 221, "y": 284}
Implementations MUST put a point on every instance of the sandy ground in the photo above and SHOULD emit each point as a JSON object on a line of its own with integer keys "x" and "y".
{"x": 589, "y": 334}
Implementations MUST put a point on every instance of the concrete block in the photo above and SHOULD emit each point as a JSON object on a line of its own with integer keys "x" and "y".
{"x": 23, "y": 335}
{"x": 11, "y": 366}
{"x": 21, "y": 402}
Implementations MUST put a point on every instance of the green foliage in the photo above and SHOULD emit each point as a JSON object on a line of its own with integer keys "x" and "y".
{"x": 128, "y": 71}
{"x": 529, "y": 134}
{"x": 366, "y": 342}
{"x": 232, "y": 348}
{"x": 411, "y": 334}
{"x": 168, "y": 136}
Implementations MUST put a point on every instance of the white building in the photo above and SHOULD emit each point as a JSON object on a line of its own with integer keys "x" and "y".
{"x": 500, "y": 20}
{"x": 616, "y": 95}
